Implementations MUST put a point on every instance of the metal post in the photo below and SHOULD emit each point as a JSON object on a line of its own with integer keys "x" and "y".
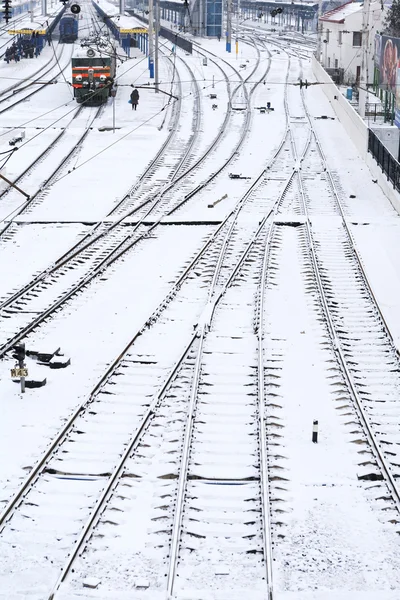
{"x": 362, "y": 88}
{"x": 31, "y": 9}
{"x": 229, "y": 26}
{"x": 151, "y": 46}
{"x": 121, "y": 7}
{"x": 319, "y": 31}
{"x": 21, "y": 364}
{"x": 156, "y": 48}
{"x": 44, "y": 7}
{"x": 237, "y": 29}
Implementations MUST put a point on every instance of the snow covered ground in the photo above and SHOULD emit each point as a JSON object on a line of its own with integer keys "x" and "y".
{"x": 327, "y": 552}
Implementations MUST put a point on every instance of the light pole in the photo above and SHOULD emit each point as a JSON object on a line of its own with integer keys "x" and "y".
{"x": 229, "y": 26}
{"x": 237, "y": 28}
{"x": 156, "y": 47}
{"x": 151, "y": 48}
{"x": 319, "y": 31}
{"x": 362, "y": 86}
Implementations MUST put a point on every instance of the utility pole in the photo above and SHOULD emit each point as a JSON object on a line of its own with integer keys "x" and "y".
{"x": 229, "y": 26}
{"x": 362, "y": 86}
{"x": 44, "y": 7}
{"x": 121, "y": 7}
{"x": 319, "y": 31}
{"x": 151, "y": 47}
{"x": 237, "y": 28}
{"x": 156, "y": 83}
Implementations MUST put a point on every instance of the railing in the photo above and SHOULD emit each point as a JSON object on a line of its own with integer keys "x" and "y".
{"x": 385, "y": 160}
{"x": 173, "y": 37}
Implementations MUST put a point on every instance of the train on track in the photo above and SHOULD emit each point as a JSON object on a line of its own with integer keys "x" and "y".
{"x": 69, "y": 24}
{"x": 93, "y": 71}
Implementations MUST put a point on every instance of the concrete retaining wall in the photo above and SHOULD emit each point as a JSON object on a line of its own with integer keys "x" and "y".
{"x": 357, "y": 130}
{"x": 351, "y": 121}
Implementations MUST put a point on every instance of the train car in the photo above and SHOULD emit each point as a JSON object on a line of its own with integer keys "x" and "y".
{"x": 68, "y": 28}
{"x": 93, "y": 71}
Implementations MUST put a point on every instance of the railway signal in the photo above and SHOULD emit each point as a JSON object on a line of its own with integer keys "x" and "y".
{"x": 75, "y": 9}
{"x": 21, "y": 371}
{"x": 6, "y": 9}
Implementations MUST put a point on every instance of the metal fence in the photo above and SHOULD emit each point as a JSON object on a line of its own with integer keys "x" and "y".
{"x": 173, "y": 37}
{"x": 385, "y": 160}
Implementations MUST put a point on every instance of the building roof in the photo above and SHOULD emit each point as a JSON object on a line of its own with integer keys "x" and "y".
{"x": 338, "y": 15}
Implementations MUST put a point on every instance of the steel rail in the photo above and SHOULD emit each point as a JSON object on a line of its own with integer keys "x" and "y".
{"x": 374, "y": 444}
{"x": 204, "y": 326}
{"x": 80, "y": 246}
{"x": 354, "y": 247}
{"x": 12, "y": 504}
{"x": 379, "y": 456}
{"x": 262, "y": 424}
{"x": 118, "y": 470}
{"x": 39, "y": 89}
{"x": 55, "y": 172}
{"x": 111, "y": 369}
{"x": 116, "y": 253}
{"x": 26, "y": 79}
{"x": 39, "y": 158}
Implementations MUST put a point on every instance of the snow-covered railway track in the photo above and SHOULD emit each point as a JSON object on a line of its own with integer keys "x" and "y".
{"x": 78, "y": 463}
{"x": 221, "y": 524}
{"x": 40, "y": 86}
{"x": 29, "y": 79}
{"x": 72, "y": 148}
{"x": 228, "y": 142}
{"x": 83, "y": 263}
{"x": 362, "y": 343}
{"x": 171, "y": 416}
{"x": 236, "y": 248}
{"x": 174, "y": 153}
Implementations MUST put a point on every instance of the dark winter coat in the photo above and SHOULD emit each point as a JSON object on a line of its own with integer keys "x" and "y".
{"x": 135, "y": 97}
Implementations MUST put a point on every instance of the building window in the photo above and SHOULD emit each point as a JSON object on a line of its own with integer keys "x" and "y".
{"x": 340, "y": 34}
{"x": 357, "y": 38}
{"x": 327, "y": 35}
{"x": 336, "y": 63}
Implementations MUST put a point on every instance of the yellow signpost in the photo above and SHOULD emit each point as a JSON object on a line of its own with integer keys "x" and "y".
{"x": 26, "y": 31}
{"x": 134, "y": 30}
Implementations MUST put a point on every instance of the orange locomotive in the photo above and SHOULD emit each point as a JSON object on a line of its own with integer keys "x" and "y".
{"x": 93, "y": 72}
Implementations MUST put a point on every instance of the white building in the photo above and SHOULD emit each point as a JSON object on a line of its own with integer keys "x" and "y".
{"x": 341, "y": 37}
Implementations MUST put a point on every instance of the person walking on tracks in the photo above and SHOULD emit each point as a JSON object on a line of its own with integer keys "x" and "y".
{"x": 134, "y": 98}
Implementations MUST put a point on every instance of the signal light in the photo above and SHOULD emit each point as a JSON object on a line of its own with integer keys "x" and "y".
{"x": 19, "y": 353}
{"x": 75, "y": 9}
{"x": 7, "y": 10}
{"x": 276, "y": 11}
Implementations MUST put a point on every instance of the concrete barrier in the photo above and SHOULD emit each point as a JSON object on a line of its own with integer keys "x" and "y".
{"x": 357, "y": 130}
{"x": 351, "y": 121}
